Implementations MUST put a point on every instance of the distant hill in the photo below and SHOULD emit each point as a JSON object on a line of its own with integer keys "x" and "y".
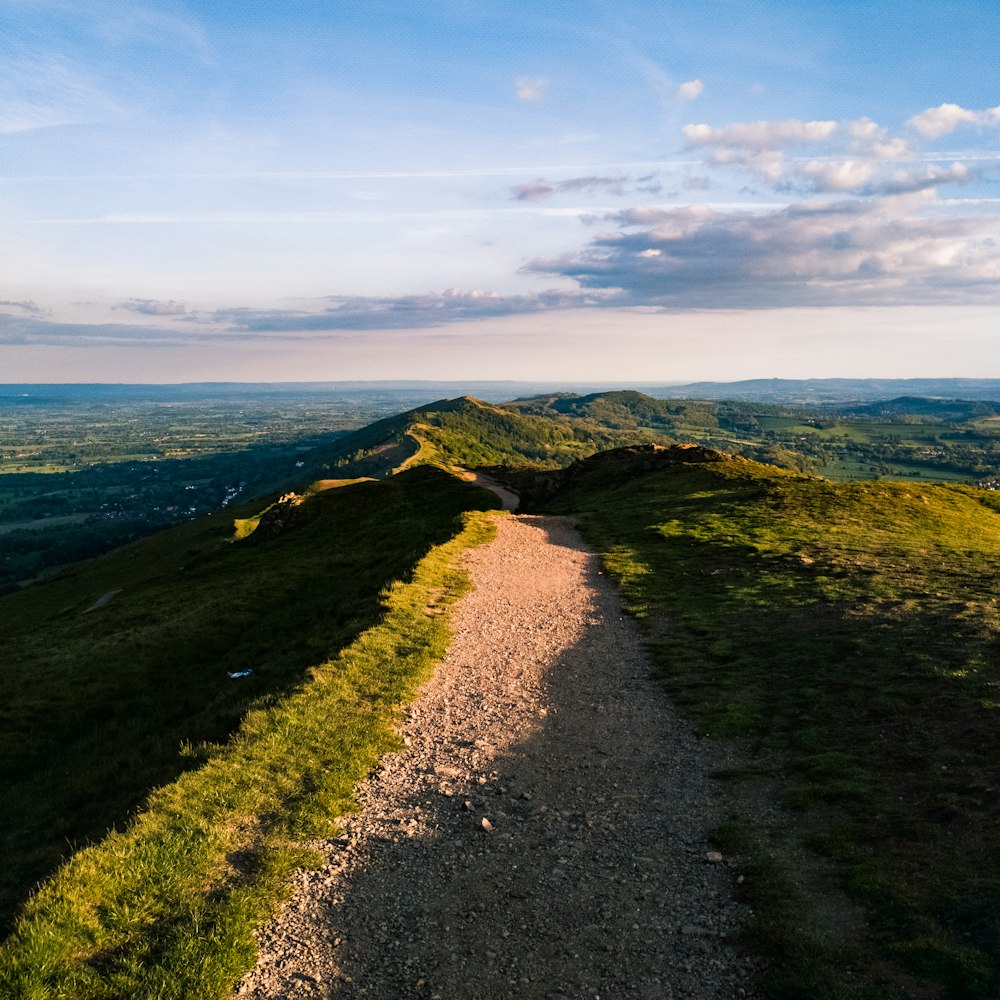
{"x": 950, "y": 410}
{"x": 554, "y": 430}
{"x": 816, "y": 391}
{"x": 472, "y": 433}
{"x": 419, "y": 392}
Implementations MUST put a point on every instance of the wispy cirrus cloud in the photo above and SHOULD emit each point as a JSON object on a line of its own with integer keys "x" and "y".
{"x": 120, "y": 25}
{"x": 540, "y": 189}
{"x": 43, "y": 90}
{"x": 67, "y": 63}
{"x": 531, "y": 88}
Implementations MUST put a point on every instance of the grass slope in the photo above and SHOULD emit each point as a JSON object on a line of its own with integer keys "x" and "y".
{"x": 97, "y": 703}
{"x": 850, "y": 632}
{"x": 166, "y": 908}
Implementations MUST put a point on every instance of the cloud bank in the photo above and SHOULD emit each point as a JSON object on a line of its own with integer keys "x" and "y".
{"x": 879, "y": 251}
{"x": 826, "y": 156}
{"x": 863, "y": 221}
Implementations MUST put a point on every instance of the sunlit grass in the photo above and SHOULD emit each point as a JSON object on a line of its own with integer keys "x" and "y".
{"x": 850, "y": 630}
{"x": 95, "y": 705}
{"x": 166, "y": 907}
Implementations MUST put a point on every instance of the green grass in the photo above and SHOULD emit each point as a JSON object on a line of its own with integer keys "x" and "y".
{"x": 166, "y": 906}
{"x": 850, "y": 631}
{"x": 97, "y": 706}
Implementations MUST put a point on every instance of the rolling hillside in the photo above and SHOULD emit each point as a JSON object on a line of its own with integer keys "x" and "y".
{"x": 112, "y": 668}
{"x": 469, "y": 432}
{"x": 846, "y": 635}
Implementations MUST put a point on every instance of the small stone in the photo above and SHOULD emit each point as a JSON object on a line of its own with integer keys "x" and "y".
{"x": 714, "y": 858}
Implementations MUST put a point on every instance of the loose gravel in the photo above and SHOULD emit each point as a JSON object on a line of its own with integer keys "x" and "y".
{"x": 543, "y": 834}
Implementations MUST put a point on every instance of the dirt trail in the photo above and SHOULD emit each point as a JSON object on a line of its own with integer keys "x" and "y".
{"x": 510, "y": 500}
{"x": 543, "y": 833}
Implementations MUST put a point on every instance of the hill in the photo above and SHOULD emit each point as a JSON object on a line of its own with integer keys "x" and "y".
{"x": 835, "y": 391}
{"x": 951, "y": 410}
{"x": 839, "y": 637}
{"x": 471, "y": 433}
{"x": 845, "y": 633}
{"x": 111, "y": 667}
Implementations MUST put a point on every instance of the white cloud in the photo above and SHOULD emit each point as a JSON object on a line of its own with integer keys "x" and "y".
{"x": 945, "y": 118}
{"x": 855, "y": 155}
{"x": 933, "y": 176}
{"x": 848, "y": 175}
{"x": 531, "y": 88}
{"x": 874, "y": 140}
{"x": 690, "y": 90}
{"x": 760, "y": 135}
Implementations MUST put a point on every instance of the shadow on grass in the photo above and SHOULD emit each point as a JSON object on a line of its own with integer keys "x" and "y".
{"x": 875, "y": 681}
{"x": 97, "y": 706}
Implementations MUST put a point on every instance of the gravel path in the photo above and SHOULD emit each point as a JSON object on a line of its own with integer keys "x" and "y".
{"x": 543, "y": 833}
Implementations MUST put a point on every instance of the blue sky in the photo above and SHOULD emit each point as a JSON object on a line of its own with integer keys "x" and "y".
{"x": 623, "y": 191}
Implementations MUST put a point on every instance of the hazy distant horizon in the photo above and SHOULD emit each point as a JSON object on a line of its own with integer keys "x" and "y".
{"x": 406, "y": 394}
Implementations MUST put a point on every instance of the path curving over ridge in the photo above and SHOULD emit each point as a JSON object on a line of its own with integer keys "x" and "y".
{"x": 543, "y": 833}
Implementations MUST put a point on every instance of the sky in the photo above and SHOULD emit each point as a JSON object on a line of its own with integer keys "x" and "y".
{"x": 602, "y": 190}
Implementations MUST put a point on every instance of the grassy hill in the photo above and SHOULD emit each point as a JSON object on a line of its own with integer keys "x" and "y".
{"x": 846, "y": 633}
{"x": 99, "y": 698}
{"x": 469, "y": 432}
